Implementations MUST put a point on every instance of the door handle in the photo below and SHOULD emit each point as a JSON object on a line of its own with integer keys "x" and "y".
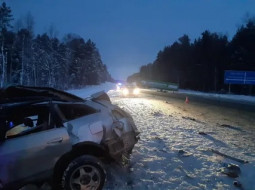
{"x": 56, "y": 140}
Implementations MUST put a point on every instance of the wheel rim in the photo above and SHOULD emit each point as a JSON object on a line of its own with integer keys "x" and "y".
{"x": 85, "y": 177}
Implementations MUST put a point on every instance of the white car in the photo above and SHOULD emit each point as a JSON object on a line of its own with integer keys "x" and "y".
{"x": 50, "y": 134}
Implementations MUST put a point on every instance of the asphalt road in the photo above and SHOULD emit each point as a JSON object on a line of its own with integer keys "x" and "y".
{"x": 214, "y": 110}
{"x": 243, "y": 105}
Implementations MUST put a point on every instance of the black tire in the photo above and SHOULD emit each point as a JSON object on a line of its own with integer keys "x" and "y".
{"x": 85, "y": 172}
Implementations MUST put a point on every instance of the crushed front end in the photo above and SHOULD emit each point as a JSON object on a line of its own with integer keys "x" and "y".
{"x": 121, "y": 135}
{"x": 124, "y": 135}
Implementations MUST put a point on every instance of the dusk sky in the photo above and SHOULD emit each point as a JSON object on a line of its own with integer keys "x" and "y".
{"x": 129, "y": 33}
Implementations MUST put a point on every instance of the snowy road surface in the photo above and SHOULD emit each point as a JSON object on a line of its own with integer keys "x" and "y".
{"x": 174, "y": 151}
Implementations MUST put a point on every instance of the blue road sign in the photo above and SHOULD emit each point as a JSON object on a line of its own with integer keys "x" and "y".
{"x": 239, "y": 77}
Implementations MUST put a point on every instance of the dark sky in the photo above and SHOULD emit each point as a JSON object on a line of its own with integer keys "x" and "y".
{"x": 129, "y": 33}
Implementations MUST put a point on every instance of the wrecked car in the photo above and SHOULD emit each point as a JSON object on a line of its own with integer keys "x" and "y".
{"x": 50, "y": 134}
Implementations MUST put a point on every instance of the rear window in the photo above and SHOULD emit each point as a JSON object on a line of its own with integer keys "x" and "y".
{"x": 24, "y": 119}
{"x": 74, "y": 111}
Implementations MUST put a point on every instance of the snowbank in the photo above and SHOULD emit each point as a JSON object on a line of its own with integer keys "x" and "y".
{"x": 219, "y": 96}
{"x": 89, "y": 90}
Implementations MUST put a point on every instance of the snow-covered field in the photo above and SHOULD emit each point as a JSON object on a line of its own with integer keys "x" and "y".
{"x": 89, "y": 90}
{"x": 176, "y": 150}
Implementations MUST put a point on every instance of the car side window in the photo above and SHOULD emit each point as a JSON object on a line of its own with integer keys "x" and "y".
{"x": 29, "y": 119}
{"x": 74, "y": 111}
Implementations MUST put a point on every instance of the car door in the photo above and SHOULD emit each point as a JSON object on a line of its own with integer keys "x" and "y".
{"x": 32, "y": 155}
{"x": 83, "y": 122}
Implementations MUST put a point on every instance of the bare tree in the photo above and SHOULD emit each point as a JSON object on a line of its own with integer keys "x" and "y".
{"x": 52, "y": 31}
{"x": 5, "y": 19}
{"x": 18, "y": 25}
{"x": 29, "y": 22}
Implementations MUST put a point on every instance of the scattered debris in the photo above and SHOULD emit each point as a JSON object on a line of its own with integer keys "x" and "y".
{"x": 187, "y": 174}
{"x": 232, "y": 170}
{"x": 237, "y": 184}
{"x": 192, "y": 119}
{"x": 189, "y": 118}
{"x": 156, "y": 138}
{"x": 157, "y": 114}
{"x": 229, "y": 157}
{"x": 183, "y": 153}
{"x": 231, "y": 127}
{"x": 215, "y": 141}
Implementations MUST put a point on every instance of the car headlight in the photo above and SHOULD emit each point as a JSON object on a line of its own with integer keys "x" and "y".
{"x": 125, "y": 91}
{"x": 136, "y": 91}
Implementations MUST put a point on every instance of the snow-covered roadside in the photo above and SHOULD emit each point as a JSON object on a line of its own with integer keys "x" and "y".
{"x": 171, "y": 153}
{"x": 219, "y": 96}
{"x": 89, "y": 90}
{"x": 107, "y": 86}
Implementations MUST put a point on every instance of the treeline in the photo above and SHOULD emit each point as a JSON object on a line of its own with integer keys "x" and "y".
{"x": 200, "y": 65}
{"x": 44, "y": 60}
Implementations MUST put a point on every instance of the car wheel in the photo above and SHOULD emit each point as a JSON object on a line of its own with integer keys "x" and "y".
{"x": 85, "y": 172}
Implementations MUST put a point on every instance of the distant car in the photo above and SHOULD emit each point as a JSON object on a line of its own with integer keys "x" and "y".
{"x": 130, "y": 90}
{"x": 61, "y": 137}
{"x": 119, "y": 86}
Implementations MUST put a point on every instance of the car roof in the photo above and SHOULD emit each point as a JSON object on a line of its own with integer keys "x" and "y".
{"x": 24, "y": 93}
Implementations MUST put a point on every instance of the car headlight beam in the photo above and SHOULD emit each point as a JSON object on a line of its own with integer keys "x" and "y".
{"x": 125, "y": 91}
{"x": 136, "y": 91}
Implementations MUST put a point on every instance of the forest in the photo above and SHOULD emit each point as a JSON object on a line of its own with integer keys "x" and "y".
{"x": 45, "y": 60}
{"x": 200, "y": 65}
